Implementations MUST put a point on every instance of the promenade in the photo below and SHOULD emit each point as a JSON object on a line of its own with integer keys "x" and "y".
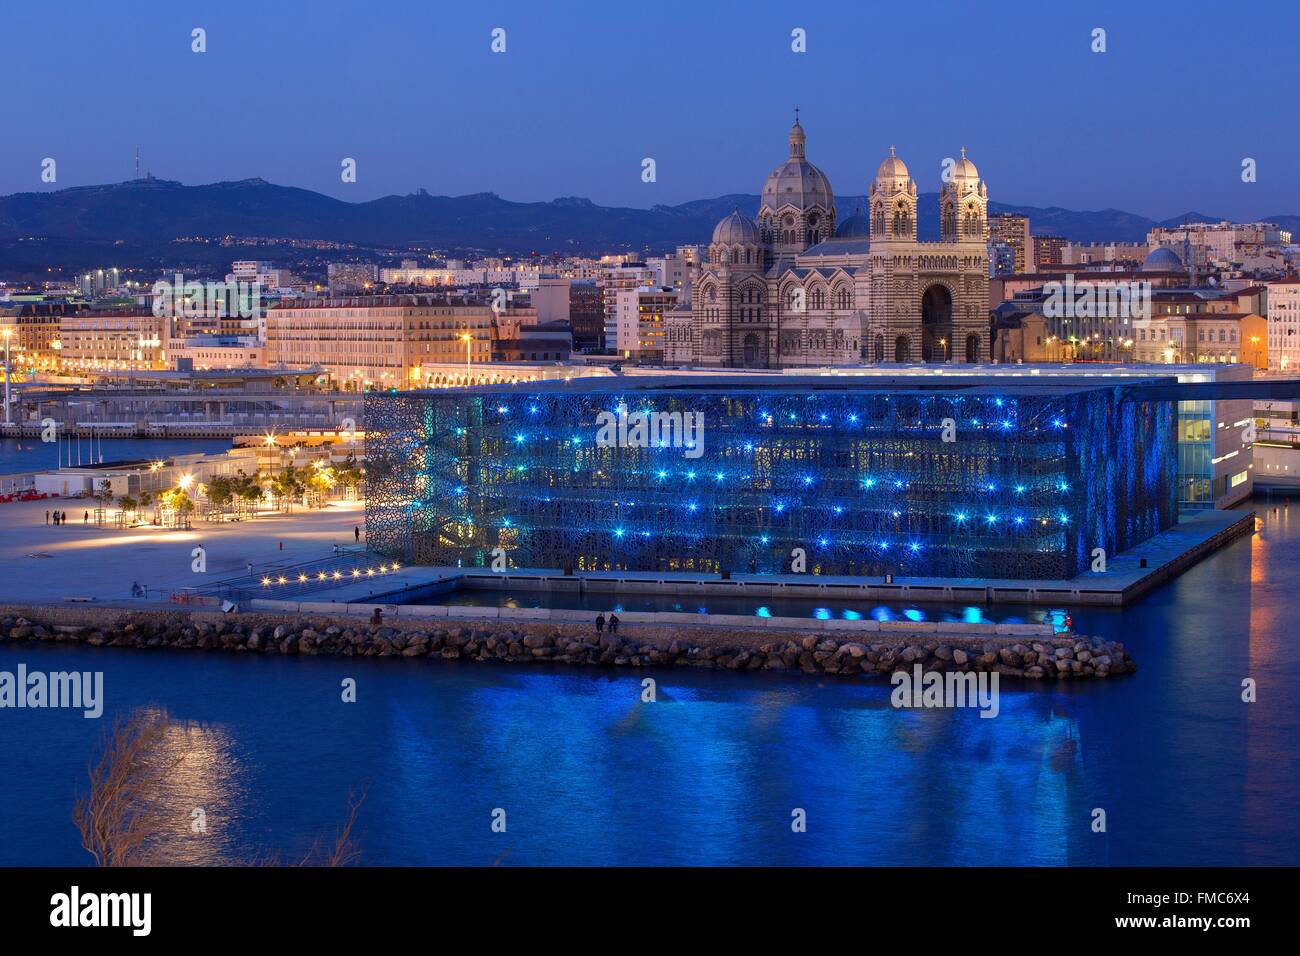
{"x": 44, "y": 563}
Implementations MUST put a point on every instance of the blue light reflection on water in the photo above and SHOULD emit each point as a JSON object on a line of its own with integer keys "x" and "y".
{"x": 588, "y": 774}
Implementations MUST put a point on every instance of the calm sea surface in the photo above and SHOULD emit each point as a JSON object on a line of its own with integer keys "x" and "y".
{"x": 31, "y": 454}
{"x": 587, "y": 774}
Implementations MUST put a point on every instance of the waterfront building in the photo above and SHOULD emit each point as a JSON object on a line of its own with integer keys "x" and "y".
{"x": 772, "y": 475}
{"x": 33, "y": 332}
{"x": 91, "y": 340}
{"x": 1215, "y": 459}
{"x": 377, "y": 341}
{"x": 205, "y": 352}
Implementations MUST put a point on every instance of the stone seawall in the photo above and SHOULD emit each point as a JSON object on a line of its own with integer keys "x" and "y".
{"x": 1061, "y": 657}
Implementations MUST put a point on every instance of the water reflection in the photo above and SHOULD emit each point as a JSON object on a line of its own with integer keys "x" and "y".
{"x": 588, "y": 773}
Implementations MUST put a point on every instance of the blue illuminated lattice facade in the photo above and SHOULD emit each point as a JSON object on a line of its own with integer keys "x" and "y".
{"x": 860, "y": 479}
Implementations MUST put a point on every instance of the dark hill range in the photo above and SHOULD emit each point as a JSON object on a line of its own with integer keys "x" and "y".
{"x": 135, "y": 223}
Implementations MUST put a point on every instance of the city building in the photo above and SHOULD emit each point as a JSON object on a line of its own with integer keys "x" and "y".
{"x": 1002, "y": 259}
{"x": 347, "y": 278}
{"x": 797, "y": 288}
{"x": 1049, "y": 251}
{"x": 1099, "y": 253}
{"x": 91, "y": 340}
{"x": 1012, "y": 231}
{"x": 377, "y": 341}
{"x": 537, "y": 342}
{"x": 33, "y": 332}
{"x": 1284, "y": 324}
{"x": 639, "y": 324}
{"x": 619, "y": 274}
{"x": 1222, "y": 243}
{"x": 765, "y": 474}
{"x": 1215, "y": 465}
{"x": 551, "y": 297}
{"x": 587, "y": 315}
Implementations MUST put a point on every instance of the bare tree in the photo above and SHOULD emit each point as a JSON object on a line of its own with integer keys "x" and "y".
{"x": 118, "y": 818}
{"x": 125, "y": 818}
{"x": 345, "y": 851}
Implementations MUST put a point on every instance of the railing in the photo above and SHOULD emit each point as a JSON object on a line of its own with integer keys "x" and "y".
{"x": 293, "y": 580}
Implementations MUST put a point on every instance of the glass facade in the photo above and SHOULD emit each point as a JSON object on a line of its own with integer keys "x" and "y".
{"x": 606, "y": 474}
{"x": 1196, "y": 491}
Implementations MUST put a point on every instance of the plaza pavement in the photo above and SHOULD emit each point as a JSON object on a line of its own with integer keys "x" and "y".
{"x": 43, "y": 563}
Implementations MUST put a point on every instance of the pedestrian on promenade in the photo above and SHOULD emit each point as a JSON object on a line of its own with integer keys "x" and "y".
{"x": 47, "y": 516}
{"x": 85, "y": 518}
{"x": 356, "y": 534}
{"x": 600, "y": 623}
{"x": 613, "y": 624}
{"x": 378, "y": 617}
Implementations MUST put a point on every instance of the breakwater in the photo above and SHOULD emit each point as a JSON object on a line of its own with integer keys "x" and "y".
{"x": 1058, "y": 657}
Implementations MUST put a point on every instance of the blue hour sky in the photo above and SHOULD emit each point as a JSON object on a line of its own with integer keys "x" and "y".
{"x": 1157, "y": 125}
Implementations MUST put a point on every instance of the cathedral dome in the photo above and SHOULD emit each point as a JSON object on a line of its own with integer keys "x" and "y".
{"x": 1162, "y": 260}
{"x": 857, "y": 226}
{"x": 893, "y": 168}
{"x": 797, "y": 182}
{"x": 736, "y": 229}
{"x": 964, "y": 170}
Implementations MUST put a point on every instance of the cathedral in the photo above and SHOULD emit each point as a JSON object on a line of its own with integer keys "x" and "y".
{"x": 797, "y": 287}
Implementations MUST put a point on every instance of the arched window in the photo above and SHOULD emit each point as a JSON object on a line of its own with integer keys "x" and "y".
{"x": 818, "y": 298}
{"x": 902, "y": 221}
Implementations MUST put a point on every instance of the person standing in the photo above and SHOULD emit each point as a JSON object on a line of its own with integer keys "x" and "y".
{"x": 47, "y": 516}
{"x": 600, "y": 623}
{"x": 613, "y": 624}
{"x": 85, "y": 517}
{"x": 356, "y": 534}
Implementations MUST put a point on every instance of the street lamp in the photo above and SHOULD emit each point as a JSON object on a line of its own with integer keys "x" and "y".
{"x": 467, "y": 339}
{"x": 8, "y": 374}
